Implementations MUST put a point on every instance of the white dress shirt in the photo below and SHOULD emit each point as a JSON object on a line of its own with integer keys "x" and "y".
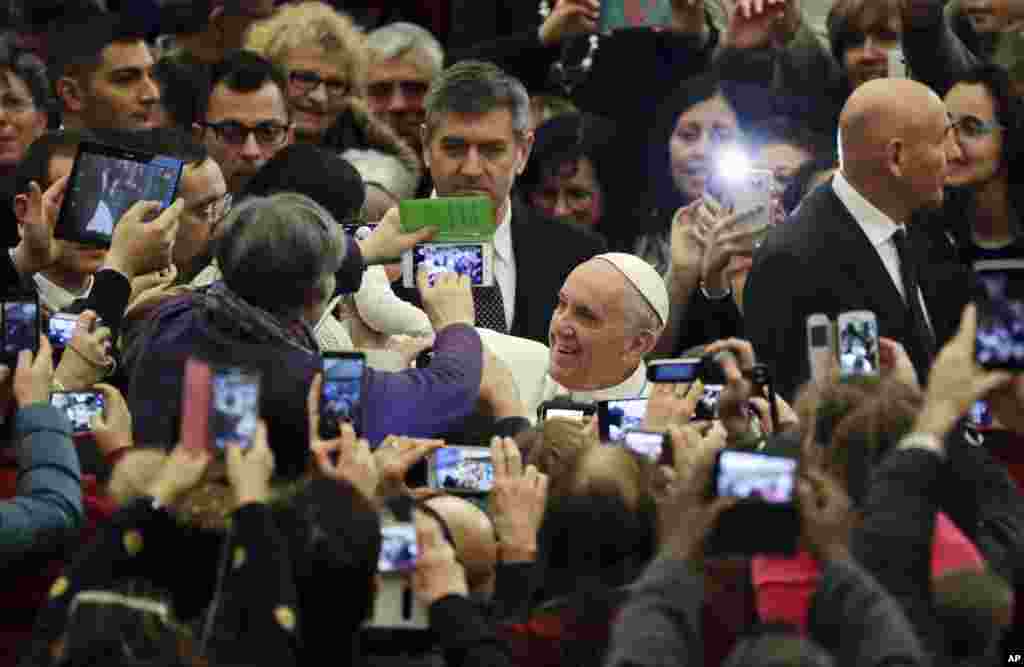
{"x": 879, "y": 228}
{"x": 505, "y": 264}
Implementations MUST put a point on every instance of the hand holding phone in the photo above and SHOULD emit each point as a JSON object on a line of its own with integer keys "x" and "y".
{"x": 220, "y": 405}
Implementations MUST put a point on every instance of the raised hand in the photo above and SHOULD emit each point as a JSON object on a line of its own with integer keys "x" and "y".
{"x": 568, "y": 19}
{"x": 517, "y": 501}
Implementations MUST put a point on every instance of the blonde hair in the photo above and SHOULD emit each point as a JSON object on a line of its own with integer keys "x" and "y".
{"x": 313, "y": 24}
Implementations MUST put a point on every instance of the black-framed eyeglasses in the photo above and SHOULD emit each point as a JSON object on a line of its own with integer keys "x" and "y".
{"x": 972, "y": 127}
{"x": 268, "y": 134}
{"x": 306, "y": 81}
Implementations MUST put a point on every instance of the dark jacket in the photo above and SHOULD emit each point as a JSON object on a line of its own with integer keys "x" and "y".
{"x": 821, "y": 261}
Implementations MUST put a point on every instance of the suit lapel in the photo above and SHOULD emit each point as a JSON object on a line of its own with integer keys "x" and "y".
{"x": 859, "y": 262}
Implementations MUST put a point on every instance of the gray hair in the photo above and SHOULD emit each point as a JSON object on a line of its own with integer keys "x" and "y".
{"x": 476, "y": 87}
{"x": 275, "y": 249}
{"x": 396, "y": 40}
{"x": 384, "y": 170}
{"x": 640, "y": 315}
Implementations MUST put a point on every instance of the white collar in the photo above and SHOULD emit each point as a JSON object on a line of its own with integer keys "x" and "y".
{"x": 56, "y": 298}
{"x": 878, "y": 227}
{"x": 635, "y": 386}
{"x": 503, "y": 234}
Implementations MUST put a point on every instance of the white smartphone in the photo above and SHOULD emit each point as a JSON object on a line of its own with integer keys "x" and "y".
{"x": 475, "y": 260}
{"x": 395, "y": 605}
{"x": 819, "y": 346}
{"x": 745, "y": 192}
{"x": 857, "y": 336}
{"x": 897, "y": 63}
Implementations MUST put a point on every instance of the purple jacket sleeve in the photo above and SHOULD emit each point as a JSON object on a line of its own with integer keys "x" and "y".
{"x": 427, "y": 402}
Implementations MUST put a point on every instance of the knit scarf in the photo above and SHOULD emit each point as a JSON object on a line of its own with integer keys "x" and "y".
{"x": 229, "y": 312}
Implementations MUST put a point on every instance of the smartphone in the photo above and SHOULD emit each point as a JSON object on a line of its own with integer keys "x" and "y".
{"x": 750, "y": 194}
{"x": 766, "y": 487}
{"x": 655, "y": 447}
{"x": 999, "y": 339}
{"x": 461, "y": 470}
{"x": 857, "y": 333}
{"x": 469, "y": 259}
{"x": 819, "y": 346}
{"x": 398, "y": 548}
{"x": 61, "y": 328}
{"x": 566, "y": 409}
{"x": 79, "y": 407}
{"x": 235, "y": 406}
{"x": 341, "y": 391}
{"x": 614, "y": 418}
{"x": 457, "y": 219}
{"x": 105, "y": 182}
{"x": 755, "y": 477}
{"x": 360, "y": 231}
{"x": 897, "y": 63}
{"x": 980, "y": 415}
{"x": 707, "y": 404}
{"x": 617, "y": 14}
{"x": 675, "y": 370}
{"x": 21, "y": 325}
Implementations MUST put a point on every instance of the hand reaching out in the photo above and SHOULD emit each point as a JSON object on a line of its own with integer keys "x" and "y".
{"x": 344, "y": 457}
{"x": 570, "y": 18}
{"x": 517, "y": 502}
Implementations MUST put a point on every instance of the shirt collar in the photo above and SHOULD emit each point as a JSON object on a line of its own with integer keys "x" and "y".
{"x": 878, "y": 227}
{"x": 635, "y": 386}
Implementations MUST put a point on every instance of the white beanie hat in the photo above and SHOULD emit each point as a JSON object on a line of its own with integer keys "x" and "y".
{"x": 644, "y": 277}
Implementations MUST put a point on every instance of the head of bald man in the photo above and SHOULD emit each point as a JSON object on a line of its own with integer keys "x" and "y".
{"x": 896, "y": 141}
{"x": 476, "y": 545}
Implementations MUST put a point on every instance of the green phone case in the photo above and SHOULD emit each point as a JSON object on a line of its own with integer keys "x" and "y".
{"x": 458, "y": 219}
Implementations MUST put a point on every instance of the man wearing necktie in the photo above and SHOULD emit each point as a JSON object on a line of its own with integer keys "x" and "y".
{"x": 864, "y": 241}
{"x": 476, "y": 140}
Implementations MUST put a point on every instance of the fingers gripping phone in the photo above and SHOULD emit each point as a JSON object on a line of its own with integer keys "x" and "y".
{"x": 857, "y": 334}
{"x": 341, "y": 391}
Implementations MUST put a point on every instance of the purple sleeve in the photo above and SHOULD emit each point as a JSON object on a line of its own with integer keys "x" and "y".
{"x": 427, "y": 402}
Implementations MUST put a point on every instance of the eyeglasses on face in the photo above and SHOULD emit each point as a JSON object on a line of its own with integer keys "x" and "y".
{"x": 268, "y": 134}
{"x": 972, "y": 127}
{"x": 304, "y": 82}
{"x": 212, "y": 213}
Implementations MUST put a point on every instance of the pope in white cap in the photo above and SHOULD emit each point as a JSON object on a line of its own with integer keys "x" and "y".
{"x": 610, "y": 313}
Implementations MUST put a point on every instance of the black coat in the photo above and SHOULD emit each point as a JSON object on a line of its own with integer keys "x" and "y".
{"x": 821, "y": 261}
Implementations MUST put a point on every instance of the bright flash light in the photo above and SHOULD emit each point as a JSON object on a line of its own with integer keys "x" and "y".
{"x": 733, "y": 164}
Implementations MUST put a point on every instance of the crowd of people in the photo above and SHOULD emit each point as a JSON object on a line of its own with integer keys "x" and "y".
{"x": 864, "y": 515}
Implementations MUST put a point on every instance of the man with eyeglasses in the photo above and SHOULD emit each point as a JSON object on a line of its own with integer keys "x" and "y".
{"x": 247, "y": 119}
{"x": 864, "y": 242}
{"x": 404, "y": 59}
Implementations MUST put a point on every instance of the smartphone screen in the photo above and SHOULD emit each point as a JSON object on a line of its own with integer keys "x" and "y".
{"x": 617, "y": 417}
{"x": 650, "y": 445}
{"x": 463, "y": 259}
{"x": 563, "y": 413}
{"x": 79, "y": 407}
{"x": 105, "y": 182}
{"x": 819, "y": 335}
{"x": 465, "y": 469}
{"x": 858, "y": 346}
{"x": 999, "y": 340}
{"x": 62, "y": 328}
{"x": 752, "y": 476}
{"x": 707, "y": 404}
{"x": 398, "y": 547}
{"x": 684, "y": 370}
{"x": 980, "y": 415}
{"x": 235, "y": 406}
{"x": 21, "y": 326}
{"x": 342, "y": 389}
